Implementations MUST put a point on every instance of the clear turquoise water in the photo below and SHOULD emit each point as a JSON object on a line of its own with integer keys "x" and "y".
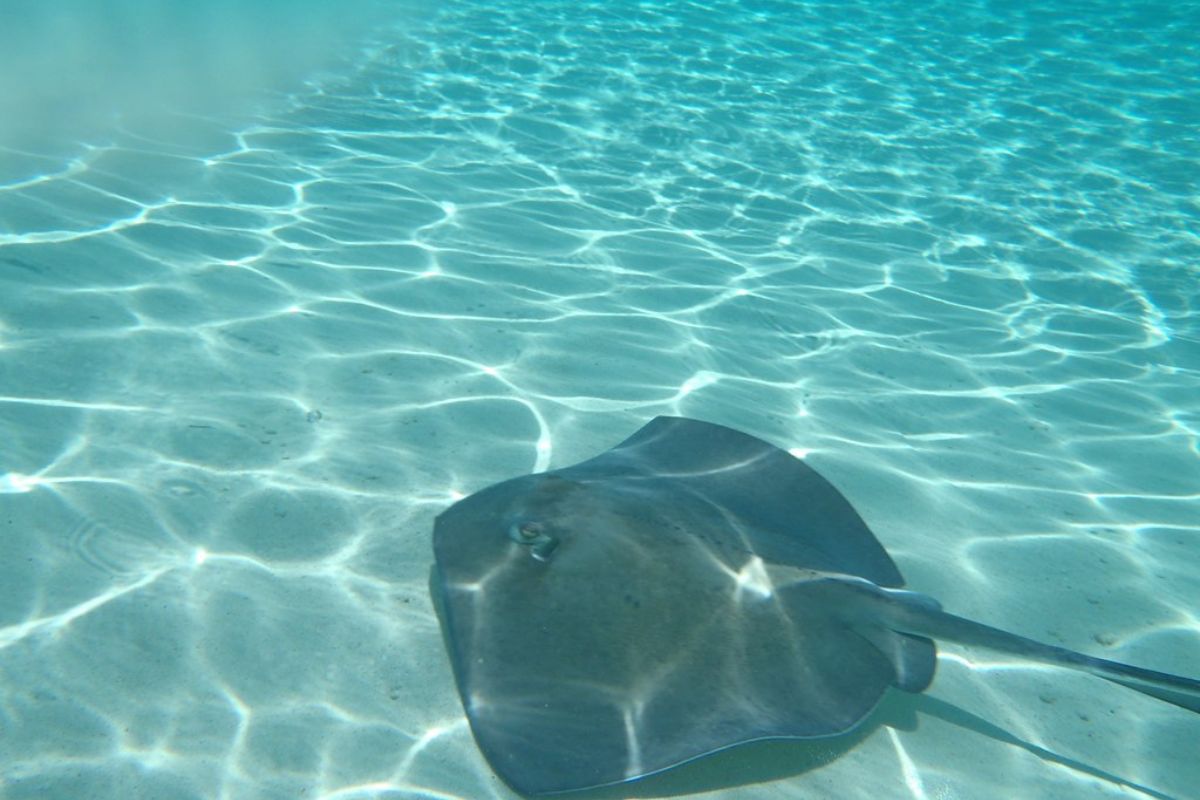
{"x": 249, "y": 349}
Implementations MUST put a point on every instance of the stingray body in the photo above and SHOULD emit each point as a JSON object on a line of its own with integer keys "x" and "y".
{"x": 691, "y": 589}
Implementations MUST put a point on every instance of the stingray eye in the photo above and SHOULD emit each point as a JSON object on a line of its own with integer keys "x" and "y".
{"x": 533, "y": 535}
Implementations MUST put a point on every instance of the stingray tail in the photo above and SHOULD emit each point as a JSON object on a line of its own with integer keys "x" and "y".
{"x": 917, "y": 614}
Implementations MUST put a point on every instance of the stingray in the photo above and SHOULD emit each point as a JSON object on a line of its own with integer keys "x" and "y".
{"x": 691, "y": 589}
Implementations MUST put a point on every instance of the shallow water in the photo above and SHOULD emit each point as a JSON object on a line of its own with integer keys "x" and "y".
{"x": 248, "y": 352}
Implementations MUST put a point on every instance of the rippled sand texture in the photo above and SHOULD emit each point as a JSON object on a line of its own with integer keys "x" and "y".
{"x": 949, "y": 248}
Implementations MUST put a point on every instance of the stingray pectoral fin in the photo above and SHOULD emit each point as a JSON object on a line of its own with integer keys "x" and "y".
{"x": 902, "y": 613}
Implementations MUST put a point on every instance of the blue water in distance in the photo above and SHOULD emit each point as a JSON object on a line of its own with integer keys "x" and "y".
{"x": 279, "y": 282}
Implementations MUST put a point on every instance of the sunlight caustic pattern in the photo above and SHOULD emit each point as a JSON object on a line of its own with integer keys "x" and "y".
{"x": 948, "y": 252}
